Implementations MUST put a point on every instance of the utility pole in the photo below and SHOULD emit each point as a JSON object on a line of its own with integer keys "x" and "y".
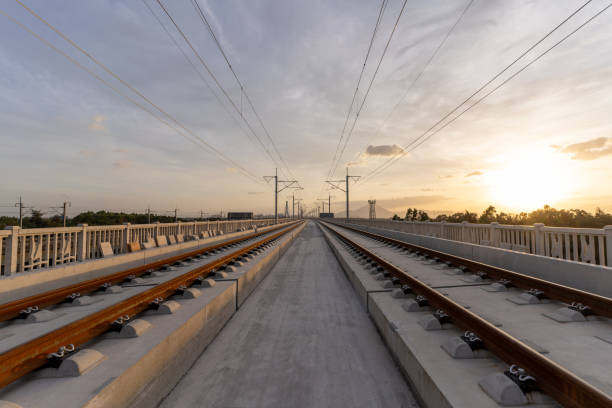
{"x": 65, "y": 212}
{"x": 293, "y": 202}
{"x": 329, "y": 202}
{"x": 298, "y": 202}
{"x": 176, "y": 215}
{"x": 148, "y": 214}
{"x": 334, "y": 184}
{"x": 201, "y": 215}
{"x": 63, "y": 208}
{"x": 285, "y": 184}
{"x": 322, "y": 200}
{"x": 20, "y": 205}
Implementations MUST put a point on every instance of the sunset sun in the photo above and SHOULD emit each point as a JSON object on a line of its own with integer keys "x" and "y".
{"x": 528, "y": 180}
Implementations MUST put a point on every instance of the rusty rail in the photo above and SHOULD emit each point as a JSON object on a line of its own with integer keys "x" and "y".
{"x": 561, "y": 384}
{"x": 599, "y": 305}
{"x": 31, "y": 355}
{"x": 12, "y": 309}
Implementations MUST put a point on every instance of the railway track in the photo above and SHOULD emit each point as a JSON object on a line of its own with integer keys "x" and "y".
{"x": 542, "y": 373}
{"x": 51, "y": 347}
{"x": 22, "y": 307}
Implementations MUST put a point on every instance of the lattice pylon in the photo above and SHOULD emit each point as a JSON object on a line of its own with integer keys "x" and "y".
{"x": 372, "y": 209}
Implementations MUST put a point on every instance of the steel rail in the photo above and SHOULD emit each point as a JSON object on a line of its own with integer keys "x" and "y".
{"x": 599, "y": 305}
{"x": 31, "y": 355}
{"x": 12, "y": 309}
{"x": 559, "y": 383}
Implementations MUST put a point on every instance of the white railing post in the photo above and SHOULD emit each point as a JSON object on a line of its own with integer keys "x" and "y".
{"x": 126, "y": 236}
{"x": 442, "y": 225}
{"x": 608, "y": 240}
{"x": 463, "y": 231}
{"x": 156, "y": 230}
{"x": 495, "y": 238}
{"x": 10, "y": 257}
{"x": 539, "y": 239}
{"x": 82, "y": 243}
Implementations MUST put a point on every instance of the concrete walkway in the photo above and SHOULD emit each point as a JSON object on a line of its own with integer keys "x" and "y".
{"x": 301, "y": 340}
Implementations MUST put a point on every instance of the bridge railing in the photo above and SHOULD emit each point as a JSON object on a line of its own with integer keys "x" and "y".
{"x": 24, "y": 250}
{"x": 589, "y": 245}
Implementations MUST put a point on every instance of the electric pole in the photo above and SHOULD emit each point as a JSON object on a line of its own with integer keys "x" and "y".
{"x": 293, "y": 202}
{"x": 322, "y": 200}
{"x": 21, "y": 207}
{"x": 149, "y": 215}
{"x": 65, "y": 212}
{"x": 176, "y": 215}
{"x": 285, "y": 184}
{"x": 334, "y": 184}
{"x": 298, "y": 203}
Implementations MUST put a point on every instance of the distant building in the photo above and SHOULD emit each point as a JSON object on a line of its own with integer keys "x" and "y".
{"x": 239, "y": 215}
{"x": 326, "y": 215}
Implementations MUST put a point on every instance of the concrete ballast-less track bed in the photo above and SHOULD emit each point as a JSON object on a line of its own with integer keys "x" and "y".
{"x": 139, "y": 372}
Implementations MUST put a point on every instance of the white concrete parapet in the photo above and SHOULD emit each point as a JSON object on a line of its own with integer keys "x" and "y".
{"x": 23, "y": 250}
{"x": 589, "y": 245}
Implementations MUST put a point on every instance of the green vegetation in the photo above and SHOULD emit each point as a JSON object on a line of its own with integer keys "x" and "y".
{"x": 574, "y": 218}
{"x": 37, "y": 220}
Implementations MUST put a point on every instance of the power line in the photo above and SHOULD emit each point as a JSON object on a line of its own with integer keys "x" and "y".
{"x": 242, "y": 90}
{"x": 216, "y": 80}
{"x": 348, "y": 138}
{"x": 199, "y": 141}
{"x": 197, "y": 71}
{"x": 350, "y": 109}
{"x": 217, "y": 97}
{"x": 415, "y": 143}
{"x": 429, "y": 61}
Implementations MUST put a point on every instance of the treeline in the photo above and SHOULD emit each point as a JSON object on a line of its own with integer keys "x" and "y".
{"x": 36, "y": 219}
{"x": 549, "y": 216}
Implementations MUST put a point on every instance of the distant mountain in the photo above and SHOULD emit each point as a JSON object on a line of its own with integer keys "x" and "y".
{"x": 364, "y": 212}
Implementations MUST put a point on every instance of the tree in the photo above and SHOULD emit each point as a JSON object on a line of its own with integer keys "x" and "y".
{"x": 488, "y": 216}
{"x": 396, "y": 217}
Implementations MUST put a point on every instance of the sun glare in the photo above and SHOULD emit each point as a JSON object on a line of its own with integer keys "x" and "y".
{"x": 526, "y": 181}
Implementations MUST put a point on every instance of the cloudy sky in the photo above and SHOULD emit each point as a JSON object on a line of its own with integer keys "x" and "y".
{"x": 544, "y": 137}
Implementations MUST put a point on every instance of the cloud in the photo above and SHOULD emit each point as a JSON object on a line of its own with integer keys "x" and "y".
{"x": 445, "y": 176}
{"x": 383, "y": 150}
{"x": 122, "y": 164}
{"x": 255, "y": 192}
{"x": 98, "y": 123}
{"x": 232, "y": 170}
{"x": 427, "y": 189}
{"x": 359, "y": 161}
{"x": 589, "y": 150}
{"x": 474, "y": 173}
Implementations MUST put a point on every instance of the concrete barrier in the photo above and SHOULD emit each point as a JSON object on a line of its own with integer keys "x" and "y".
{"x": 584, "y": 276}
{"x": 30, "y": 283}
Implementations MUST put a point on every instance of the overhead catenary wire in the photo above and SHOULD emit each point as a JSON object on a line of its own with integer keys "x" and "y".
{"x": 216, "y": 81}
{"x": 383, "y": 5}
{"x": 425, "y": 67}
{"x": 243, "y": 91}
{"x": 194, "y": 138}
{"x": 415, "y": 143}
{"x": 197, "y": 71}
{"x": 365, "y": 97}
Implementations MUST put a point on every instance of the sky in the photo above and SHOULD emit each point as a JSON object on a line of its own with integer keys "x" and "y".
{"x": 543, "y": 138}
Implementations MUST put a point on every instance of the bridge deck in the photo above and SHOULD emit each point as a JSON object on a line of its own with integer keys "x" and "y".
{"x": 301, "y": 339}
